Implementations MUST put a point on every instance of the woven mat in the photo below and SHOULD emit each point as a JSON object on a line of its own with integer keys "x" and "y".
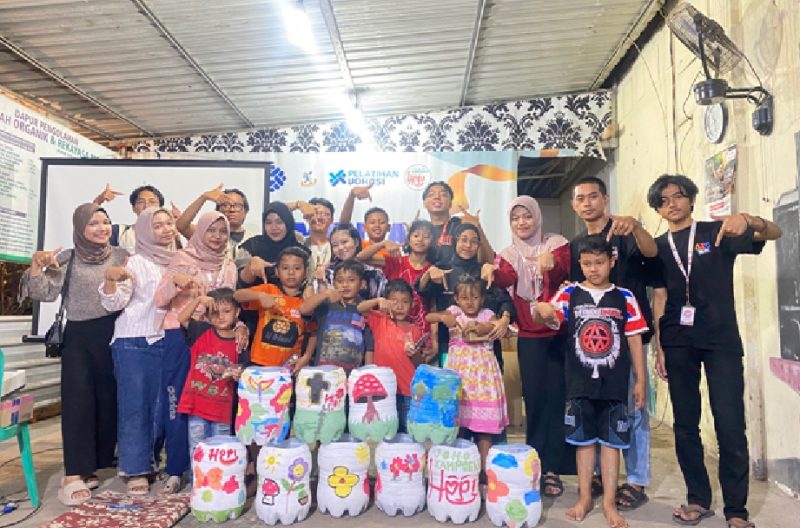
{"x": 110, "y": 509}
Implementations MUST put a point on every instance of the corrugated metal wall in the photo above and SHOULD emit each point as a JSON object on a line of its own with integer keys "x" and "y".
{"x": 43, "y": 375}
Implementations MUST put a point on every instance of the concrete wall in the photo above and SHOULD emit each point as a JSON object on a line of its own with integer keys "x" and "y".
{"x": 661, "y": 130}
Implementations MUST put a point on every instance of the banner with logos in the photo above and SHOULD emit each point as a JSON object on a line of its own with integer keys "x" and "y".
{"x": 25, "y": 137}
{"x": 483, "y": 182}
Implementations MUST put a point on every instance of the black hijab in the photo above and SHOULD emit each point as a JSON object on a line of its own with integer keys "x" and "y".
{"x": 262, "y": 245}
{"x": 458, "y": 265}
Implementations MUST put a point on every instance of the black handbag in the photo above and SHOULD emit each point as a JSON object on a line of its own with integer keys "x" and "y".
{"x": 54, "y": 337}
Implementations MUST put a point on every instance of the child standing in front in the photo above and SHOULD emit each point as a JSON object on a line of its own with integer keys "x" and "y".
{"x": 482, "y": 409}
{"x": 604, "y": 328}
{"x": 208, "y": 394}
{"x": 282, "y": 336}
{"x": 397, "y": 341}
{"x": 342, "y": 336}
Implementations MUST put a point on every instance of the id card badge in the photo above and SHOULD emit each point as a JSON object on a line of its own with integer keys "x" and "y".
{"x": 687, "y": 316}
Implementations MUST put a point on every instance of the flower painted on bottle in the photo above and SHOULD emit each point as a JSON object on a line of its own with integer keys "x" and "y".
{"x": 494, "y": 489}
{"x": 532, "y": 466}
{"x": 281, "y": 400}
{"x": 362, "y": 454}
{"x": 271, "y": 462}
{"x": 342, "y": 481}
{"x": 242, "y": 412}
{"x": 298, "y": 469}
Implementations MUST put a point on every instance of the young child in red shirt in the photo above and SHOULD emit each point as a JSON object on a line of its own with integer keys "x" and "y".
{"x": 397, "y": 342}
{"x": 208, "y": 394}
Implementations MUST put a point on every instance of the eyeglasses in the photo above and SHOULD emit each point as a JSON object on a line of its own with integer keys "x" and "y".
{"x": 232, "y": 206}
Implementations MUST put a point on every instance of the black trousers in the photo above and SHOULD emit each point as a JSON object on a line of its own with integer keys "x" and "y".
{"x": 541, "y": 366}
{"x": 88, "y": 396}
{"x": 725, "y": 379}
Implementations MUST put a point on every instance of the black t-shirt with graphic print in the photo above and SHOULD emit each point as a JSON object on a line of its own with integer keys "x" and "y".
{"x": 599, "y": 322}
{"x": 711, "y": 287}
{"x": 632, "y": 270}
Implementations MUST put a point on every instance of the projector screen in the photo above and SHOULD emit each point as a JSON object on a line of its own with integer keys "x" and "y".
{"x": 67, "y": 183}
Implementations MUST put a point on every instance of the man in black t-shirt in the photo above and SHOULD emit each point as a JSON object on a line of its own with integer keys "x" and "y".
{"x": 695, "y": 323}
{"x": 632, "y": 248}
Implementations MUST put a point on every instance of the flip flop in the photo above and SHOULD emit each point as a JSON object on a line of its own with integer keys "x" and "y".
{"x": 172, "y": 485}
{"x": 552, "y": 481}
{"x": 67, "y": 491}
{"x": 704, "y": 513}
{"x": 747, "y": 524}
{"x": 629, "y": 498}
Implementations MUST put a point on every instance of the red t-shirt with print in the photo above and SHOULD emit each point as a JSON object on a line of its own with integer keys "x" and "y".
{"x": 389, "y": 343}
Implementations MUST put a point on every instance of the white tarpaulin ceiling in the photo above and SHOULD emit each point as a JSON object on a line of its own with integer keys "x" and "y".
{"x": 121, "y": 69}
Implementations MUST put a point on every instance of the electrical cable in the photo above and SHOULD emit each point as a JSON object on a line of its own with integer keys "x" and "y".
{"x": 27, "y": 498}
{"x": 28, "y": 516}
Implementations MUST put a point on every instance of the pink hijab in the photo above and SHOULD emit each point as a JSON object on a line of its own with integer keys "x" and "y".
{"x": 521, "y": 254}
{"x": 197, "y": 255}
{"x": 146, "y": 245}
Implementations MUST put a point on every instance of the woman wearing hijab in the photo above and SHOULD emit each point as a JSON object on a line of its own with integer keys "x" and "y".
{"x": 542, "y": 265}
{"x": 137, "y": 346}
{"x": 88, "y": 388}
{"x": 201, "y": 267}
{"x": 438, "y": 283}
{"x": 257, "y": 255}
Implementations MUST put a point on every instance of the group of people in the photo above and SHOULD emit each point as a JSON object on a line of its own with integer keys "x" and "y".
{"x": 158, "y": 331}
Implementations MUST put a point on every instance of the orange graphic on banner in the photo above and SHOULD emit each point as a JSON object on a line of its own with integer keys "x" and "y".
{"x": 458, "y": 182}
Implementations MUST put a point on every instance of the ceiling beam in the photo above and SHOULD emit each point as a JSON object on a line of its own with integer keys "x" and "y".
{"x": 338, "y": 48}
{"x": 22, "y": 54}
{"x": 148, "y": 13}
{"x": 27, "y": 101}
{"x": 473, "y": 48}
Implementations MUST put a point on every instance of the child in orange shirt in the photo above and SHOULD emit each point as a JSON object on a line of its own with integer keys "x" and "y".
{"x": 283, "y": 336}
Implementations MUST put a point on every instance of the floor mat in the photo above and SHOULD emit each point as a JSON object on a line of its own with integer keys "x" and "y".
{"x": 110, "y": 509}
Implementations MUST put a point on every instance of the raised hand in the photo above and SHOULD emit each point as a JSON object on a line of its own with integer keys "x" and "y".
{"x": 621, "y": 226}
{"x": 306, "y": 209}
{"x": 469, "y": 218}
{"x": 448, "y": 319}
{"x": 416, "y": 217}
{"x": 216, "y": 195}
{"x": 174, "y": 210}
{"x": 545, "y": 262}
{"x": 362, "y": 192}
{"x": 183, "y": 280}
{"x": 320, "y": 272}
{"x": 487, "y": 274}
{"x": 499, "y": 329}
{"x": 334, "y": 295}
{"x": 439, "y": 276}
{"x": 44, "y": 259}
{"x": 258, "y": 268}
{"x": 117, "y": 273}
{"x": 392, "y": 248}
{"x": 732, "y": 226}
{"x": 106, "y": 196}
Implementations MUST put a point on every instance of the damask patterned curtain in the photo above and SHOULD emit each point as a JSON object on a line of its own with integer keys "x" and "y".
{"x": 562, "y": 126}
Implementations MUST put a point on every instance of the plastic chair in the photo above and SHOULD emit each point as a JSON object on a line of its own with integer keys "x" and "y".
{"x": 20, "y": 430}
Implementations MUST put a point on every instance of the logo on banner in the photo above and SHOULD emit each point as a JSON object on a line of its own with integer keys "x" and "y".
{"x": 417, "y": 176}
{"x": 308, "y": 179}
{"x": 337, "y": 177}
{"x": 276, "y": 178}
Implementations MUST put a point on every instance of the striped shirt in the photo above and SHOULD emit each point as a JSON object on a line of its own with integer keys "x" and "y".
{"x": 140, "y": 316}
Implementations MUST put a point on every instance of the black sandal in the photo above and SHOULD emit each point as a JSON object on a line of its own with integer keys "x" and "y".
{"x": 702, "y": 513}
{"x": 552, "y": 481}
{"x": 629, "y": 498}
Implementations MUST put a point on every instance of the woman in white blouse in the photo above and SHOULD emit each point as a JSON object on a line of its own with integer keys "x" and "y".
{"x": 138, "y": 343}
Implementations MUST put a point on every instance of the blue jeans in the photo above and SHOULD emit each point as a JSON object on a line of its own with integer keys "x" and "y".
{"x": 171, "y": 426}
{"x": 200, "y": 429}
{"x": 137, "y": 367}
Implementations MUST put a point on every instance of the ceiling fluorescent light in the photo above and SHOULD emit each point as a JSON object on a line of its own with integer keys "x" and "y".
{"x": 298, "y": 26}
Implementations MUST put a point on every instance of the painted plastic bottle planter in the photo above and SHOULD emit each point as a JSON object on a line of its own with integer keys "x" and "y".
{"x": 453, "y": 482}
{"x": 512, "y": 493}
{"x": 218, "y": 465}
{"x": 343, "y": 484}
{"x": 373, "y": 405}
{"x": 321, "y": 393}
{"x": 284, "y": 493}
{"x": 434, "y": 405}
{"x": 263, "y": 413}
{"x": 399, "y": 486}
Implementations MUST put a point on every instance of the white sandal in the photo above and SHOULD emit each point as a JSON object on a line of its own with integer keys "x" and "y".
{"x": 92, "y": 482}
{"x": 172, "y": 485}
{"x": 67, "y": 492}
{"x": 138, "y": 486}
